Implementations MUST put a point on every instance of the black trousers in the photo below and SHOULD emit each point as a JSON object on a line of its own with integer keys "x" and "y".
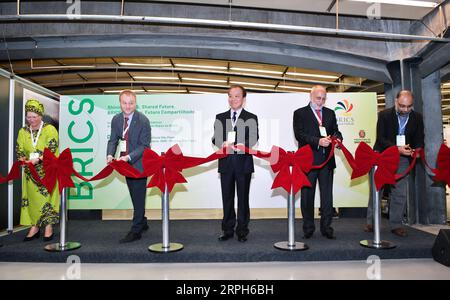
{"x": 138, "y": 190}
{"x": 229, "y": 182}
{"x": 325, "y": 178}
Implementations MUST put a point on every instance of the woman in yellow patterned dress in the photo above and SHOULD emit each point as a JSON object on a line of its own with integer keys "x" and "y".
{"x": 39, "y": 207}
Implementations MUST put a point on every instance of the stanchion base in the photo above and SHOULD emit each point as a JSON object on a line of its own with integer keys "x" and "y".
{"x": 286, "y": 247}
{"x": 59, "y": 248}
{"x": 173, "y": 247}
{"x": 381, "y": 245}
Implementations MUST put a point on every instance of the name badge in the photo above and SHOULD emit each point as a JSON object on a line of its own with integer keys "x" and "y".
{"x": 122, "y": 146}
{"x": 401, "y": 140}
{"x": 34, "y": 155}
{"x": 231, "y": 137}
{"x": 323, "y": 131}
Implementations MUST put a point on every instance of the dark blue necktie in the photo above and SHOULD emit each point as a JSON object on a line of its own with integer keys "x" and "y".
{"x": 234, "y": 117}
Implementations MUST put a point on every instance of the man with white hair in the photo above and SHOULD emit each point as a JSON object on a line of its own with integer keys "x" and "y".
{"x": 315, "y": 125}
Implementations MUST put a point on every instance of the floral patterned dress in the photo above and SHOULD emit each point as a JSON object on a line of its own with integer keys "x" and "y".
{"x": 39, "y": 207}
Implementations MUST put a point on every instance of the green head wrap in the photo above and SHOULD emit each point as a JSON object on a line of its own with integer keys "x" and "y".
{"x": 35, "y": 106}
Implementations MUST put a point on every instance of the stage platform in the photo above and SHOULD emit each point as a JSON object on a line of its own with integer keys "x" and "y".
{"x": 100, "y": 243}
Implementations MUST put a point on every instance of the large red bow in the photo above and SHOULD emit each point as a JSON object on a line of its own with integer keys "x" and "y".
{"x": 443, "y": 165}
{"x": 58, "y": 169}
{"x": 387, "y": 162}
{"x": 166, "y": 169}
{"x": 280, "y": 161}
{"x": 301, "y": 162}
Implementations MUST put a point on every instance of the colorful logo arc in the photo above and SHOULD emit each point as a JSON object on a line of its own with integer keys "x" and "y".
{"x": 344, "y": 105}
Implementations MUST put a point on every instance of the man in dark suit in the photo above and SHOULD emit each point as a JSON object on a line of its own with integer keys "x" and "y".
{"x": 399, "y": 126}
{"x": 131, "y": 132}
{"x": 235, "y": 127}
{"x": 314, "y": 125}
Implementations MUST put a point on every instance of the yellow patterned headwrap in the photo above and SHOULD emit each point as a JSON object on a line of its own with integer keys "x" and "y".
{"x": 35, "y": 106}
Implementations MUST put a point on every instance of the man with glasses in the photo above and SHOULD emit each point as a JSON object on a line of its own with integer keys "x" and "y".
{"x": 399, "y": 126}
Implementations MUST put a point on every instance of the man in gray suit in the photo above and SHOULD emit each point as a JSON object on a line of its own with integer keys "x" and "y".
{"x": 131, "y": 132}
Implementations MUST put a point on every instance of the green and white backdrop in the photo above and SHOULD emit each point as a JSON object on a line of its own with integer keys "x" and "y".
{"x": 188, "y": 120}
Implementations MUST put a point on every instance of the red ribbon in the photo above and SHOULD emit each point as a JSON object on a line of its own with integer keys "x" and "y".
{"x": 61, "y": 169}
{"x": 122, "y": 167}
{"x": 173, "y": 162}
{"x": 387, "y": 162}
{"x": 442, "y": 172}
{"x": 166, "y": 169}
{"x": 14, "y": 173}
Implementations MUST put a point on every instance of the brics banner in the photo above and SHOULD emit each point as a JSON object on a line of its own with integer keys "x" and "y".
{"x": 188, "y": 120}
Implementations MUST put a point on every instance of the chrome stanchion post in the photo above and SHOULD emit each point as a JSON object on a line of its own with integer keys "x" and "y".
{"x": 166, "y": 246}
{"x": 291, "y": 244}
{"x": 63, "y": 245}
{"x": 165, "y": 219}
{"x": 376, "y": 243}
{"x": 12, "y": 85}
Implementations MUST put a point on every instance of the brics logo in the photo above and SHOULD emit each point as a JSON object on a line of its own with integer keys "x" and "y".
{"x": 343, "y": 111}
{"x": 345, "y": 106}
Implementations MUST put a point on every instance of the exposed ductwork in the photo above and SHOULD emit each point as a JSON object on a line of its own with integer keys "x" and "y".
{"x": 218, "y": 23}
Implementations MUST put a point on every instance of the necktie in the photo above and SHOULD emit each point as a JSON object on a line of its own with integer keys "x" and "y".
{"x": 319, "y": 115}
{"x": 234, "y": 117}
{"x": 125, "y": 136}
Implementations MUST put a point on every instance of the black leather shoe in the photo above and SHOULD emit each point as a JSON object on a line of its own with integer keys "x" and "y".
{"x": 35, "y": 236}
{"x": 48, "y": 238}
{"x": 242, "y": 238}
{"x": 329, "y": 235}
{"x": 130, "y": 237}
{"x": 308, "y": 235}
{"x": 225, "y": 237}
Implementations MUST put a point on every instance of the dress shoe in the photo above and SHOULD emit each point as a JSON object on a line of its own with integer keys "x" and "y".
{"x": 329, "y": 235}
{"x": 308, "y": 235}
{"x": 30, "y": 238}
{"x": 130, "y": 237}
{"x": 399, "y": 232}
{"x": 368, "y": 228}
{"x": 242, "y": 238}
{"x": 225, "y": 237}
{"x": 48, "y": 238}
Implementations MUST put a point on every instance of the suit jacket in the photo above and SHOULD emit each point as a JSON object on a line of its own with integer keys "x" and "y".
{"x": 246, "y": 133}
{"x": 387, "y": 130}
{"x": 139, "y": 137}
{"x": 306, "y": 130}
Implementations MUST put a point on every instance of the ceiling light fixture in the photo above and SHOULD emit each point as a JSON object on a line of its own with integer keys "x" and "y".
{"x": 128, "y": 64}
{"x": 156, "y": 77}
{"x": 251, "y": 83}
{"x": 294, "y": 87}
{"x": 401, "y": 2}
{"x": 312, "y": 75}
{"x": 204, "y": 79}
{"x": 201, "y": 66}
{"x": 256, "y": 71}
{"x": 119, "y": 91}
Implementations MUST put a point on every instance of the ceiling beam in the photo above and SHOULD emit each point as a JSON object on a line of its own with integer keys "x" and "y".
{"x": 332, "y": 4}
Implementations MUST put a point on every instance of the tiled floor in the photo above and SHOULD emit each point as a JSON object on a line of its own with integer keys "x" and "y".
{"x": 388, "y": 269}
